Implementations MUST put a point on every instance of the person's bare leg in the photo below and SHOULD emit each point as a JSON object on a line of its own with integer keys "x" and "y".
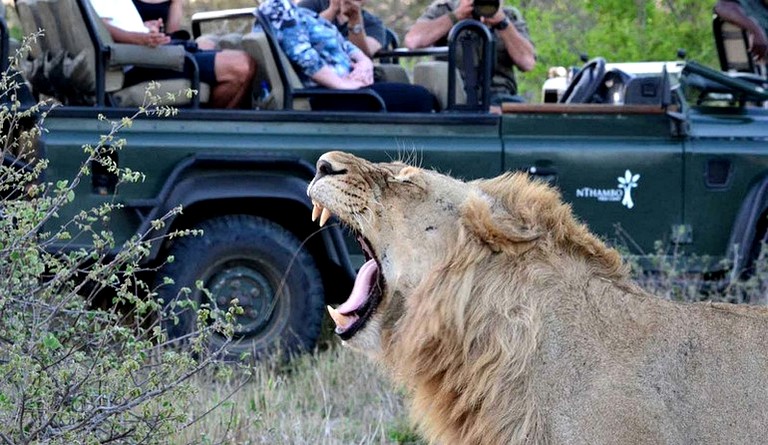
{"x": 234, "y": 75}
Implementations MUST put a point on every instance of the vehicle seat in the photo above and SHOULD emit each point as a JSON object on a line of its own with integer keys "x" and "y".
{"x": 93, "y": 63}
{"x": 732, "y": 45}
{"x": 433, "y": 75}
{"x": 389, "y": 68}
{"x": 256, "y": 44}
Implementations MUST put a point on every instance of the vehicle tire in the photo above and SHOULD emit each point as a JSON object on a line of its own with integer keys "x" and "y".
{"x": 756, "y": 269}
{"x": 263, "y": 265}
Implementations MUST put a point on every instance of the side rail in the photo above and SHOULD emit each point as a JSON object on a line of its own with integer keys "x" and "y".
{"x": 743, "y": 89}
{"x": 199, "y": 18}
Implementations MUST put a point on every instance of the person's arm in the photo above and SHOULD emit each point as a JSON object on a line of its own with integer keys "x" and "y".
{"x": 435, "y": 24}
{"x": 732, "y": 12}
{"x": 175, "y": 14}
{"x": 357, "y": 27}
{"x": 151, "y": 39}
{"x": 333, "y": 9}
{"x": 329, "y": 13}
{"x": 328, "y": 78}
{"x": 516, "y": 42}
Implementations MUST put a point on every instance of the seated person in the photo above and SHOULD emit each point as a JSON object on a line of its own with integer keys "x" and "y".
{"x": 324, "y": 57}
{"x": 166, "y": 16}
{"x": 359, "y": 26}
{"x": 513, "y": 45}
{"x": 228, "y": 72}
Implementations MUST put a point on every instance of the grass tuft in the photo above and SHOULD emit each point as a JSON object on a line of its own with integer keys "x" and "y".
{"x": 332, "y": 397}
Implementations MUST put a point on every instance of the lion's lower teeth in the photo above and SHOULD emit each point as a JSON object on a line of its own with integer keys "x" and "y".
{"x": 324, "y": 216}
{"x": 341, "y": 320}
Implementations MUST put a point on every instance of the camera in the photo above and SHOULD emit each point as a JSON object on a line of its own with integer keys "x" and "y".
{"x": 485, "y": 8}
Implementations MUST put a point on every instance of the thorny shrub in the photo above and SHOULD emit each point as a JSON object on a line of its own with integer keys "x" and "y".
{"x": 74, "y": 371}
{"x": 674, "y": 274}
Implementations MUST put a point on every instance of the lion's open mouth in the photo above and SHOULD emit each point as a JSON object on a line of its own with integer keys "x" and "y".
{"x": 352, "y": 315}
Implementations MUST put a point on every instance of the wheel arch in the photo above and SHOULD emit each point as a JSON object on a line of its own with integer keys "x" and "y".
{"x": 277, "y": 194}
{"x": 750, "y": 223}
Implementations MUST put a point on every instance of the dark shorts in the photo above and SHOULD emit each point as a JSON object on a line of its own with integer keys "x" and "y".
{"x": 205, "y": 63}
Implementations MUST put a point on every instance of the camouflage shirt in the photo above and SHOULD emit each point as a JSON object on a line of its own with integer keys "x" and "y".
{"x": 503, "y": 81}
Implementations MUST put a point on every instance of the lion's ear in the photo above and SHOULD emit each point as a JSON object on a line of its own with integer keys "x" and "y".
{"x": 497, "y": 228}
{"x": 407, "y": 173}
{"x": 410, "y": 175}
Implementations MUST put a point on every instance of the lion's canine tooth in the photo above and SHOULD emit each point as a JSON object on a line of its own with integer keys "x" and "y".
{"x": 316, "y": 209}
{"x": 324, "y": 216}
{"x": 340, "y": 319}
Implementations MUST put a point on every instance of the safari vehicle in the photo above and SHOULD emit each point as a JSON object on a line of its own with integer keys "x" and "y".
{"x": 673, "y": 151}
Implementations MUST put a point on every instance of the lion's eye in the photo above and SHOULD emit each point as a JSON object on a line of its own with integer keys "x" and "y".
{"x": 324, "y": 168}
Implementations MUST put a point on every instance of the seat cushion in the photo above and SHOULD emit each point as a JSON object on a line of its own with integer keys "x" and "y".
{"x": 391, "y": 72}
{"x": 433, "y": 75}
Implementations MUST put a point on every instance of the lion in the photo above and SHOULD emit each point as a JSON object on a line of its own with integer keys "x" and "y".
{"x": 510, "y": 323}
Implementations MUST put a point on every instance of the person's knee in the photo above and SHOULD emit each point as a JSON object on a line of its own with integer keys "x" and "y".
{"x": 235, "y": 66}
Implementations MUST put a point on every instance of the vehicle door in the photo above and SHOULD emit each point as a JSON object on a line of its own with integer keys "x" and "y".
{"x": 465, "y": 145}
{"x": 620, "y": 167}
{"x": 725, "y": 186}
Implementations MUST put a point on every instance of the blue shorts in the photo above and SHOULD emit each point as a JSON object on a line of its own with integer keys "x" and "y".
{"x": 205, "y": 63}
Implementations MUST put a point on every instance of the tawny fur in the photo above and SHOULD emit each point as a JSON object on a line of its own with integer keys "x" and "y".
{"x": 511, "y": 323}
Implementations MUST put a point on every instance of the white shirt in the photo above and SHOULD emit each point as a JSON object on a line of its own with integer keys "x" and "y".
{"x": 120, "y": 13}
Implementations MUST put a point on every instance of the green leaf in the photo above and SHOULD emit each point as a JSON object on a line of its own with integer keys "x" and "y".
{"x": 51, "y": 342}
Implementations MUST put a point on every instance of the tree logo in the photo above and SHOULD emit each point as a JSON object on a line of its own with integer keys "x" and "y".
{"x": 626, "y": 184}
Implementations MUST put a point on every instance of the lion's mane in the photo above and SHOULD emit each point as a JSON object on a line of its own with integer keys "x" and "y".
{"x": 470, "y": 332}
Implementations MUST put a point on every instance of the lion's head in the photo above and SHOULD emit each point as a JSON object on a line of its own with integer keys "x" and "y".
{"x": 412, "y": 222}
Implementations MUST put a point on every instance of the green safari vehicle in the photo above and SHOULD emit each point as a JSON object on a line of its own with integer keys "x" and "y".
{"x": 673, "y": 152}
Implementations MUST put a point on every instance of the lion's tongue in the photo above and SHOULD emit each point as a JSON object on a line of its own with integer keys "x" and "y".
{"x": 344, "y": 315}
{"x": 362, "y": 288}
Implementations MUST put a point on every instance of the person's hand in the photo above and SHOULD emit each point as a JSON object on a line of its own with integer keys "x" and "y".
{"x": 153, "y": 39}
{"x": 464, "y": 10}
{"x": 362, "y": 70}
{"x": 352, "y": 9}
{"x": 334, "y": 8}
{"x": 759, "y": 45}
{"x": 154, "y": 25}
{"x": 495, "y": 19}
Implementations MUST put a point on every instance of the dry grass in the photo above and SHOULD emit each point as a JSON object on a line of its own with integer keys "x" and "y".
{"x": 332, "y": 397}
{"x": 338, "y": 396}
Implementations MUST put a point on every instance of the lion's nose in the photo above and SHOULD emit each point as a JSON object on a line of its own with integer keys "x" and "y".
{"x": 325, "y": 168}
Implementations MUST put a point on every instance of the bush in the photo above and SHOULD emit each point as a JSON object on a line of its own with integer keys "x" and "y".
{"x": 83, "y": 356}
